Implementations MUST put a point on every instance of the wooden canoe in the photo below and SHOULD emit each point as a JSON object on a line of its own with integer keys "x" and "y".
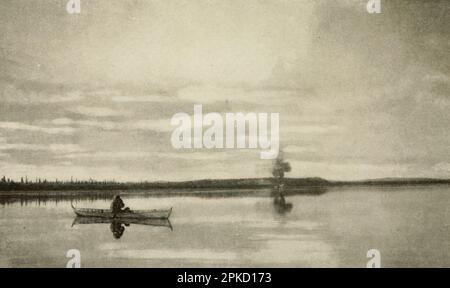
{"x": 98, "y": 220}
{"x": 133, "y": 214}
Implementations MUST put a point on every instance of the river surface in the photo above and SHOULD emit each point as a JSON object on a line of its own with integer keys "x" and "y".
{"x": 410, "y": 226}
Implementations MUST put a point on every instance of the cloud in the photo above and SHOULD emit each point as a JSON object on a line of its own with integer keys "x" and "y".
{"x": 126, "y": 155}
{"x": 131, "y": 94}
{"x": 97, "y": 111}
{"x": 157, "y": 125}
{"x": 203, "y": 94}
{"x": 32, "y": 147}
{"x": 2, "y": 142}
{"x": 442, "y": 167}
{"x": 60, "y": 170}
{"x": 206, "y": 155}
{"x": 26, "y": 127}
{"x": 10, "y": 93}
{"x": 63, "y": 121}
{"x": 437, "y": 77}
{"x": 67, "y": 97}
{"x": 143, "y": 98}
{"x": 348, "y": 171}
{"x": 295, "y": 149}
{"x": 59, "y": 148}
{"x": 113, "y": 155}
{"x": 66, "y": 148}
{"x": 105, "y": 125}
{"x": 311, "y": 129}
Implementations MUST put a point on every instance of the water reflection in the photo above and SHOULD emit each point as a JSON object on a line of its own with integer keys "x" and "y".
{"x": 26, "y": 198}
{"x": 279, "y": 201}
{"x": 117, "y": 226}
{"x": 281, "y": 206}
{"x": 44, "y": 198}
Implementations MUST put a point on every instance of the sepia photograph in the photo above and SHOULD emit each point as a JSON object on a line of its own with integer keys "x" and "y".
{"x": 224, "y": 134}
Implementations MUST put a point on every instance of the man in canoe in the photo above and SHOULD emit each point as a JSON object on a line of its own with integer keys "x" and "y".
{"x": 117, "y": 205}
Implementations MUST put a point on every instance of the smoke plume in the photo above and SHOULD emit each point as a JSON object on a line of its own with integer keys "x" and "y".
{"x": 280, "y": 167}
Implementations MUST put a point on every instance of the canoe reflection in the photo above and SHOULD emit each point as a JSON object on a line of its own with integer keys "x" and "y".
{"x": 117, "y": 226}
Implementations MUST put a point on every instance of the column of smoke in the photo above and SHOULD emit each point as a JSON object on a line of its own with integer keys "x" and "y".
{"x": 279, "y": 168}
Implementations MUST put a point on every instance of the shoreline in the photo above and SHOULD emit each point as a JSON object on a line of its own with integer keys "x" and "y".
{"x": 207, "y": 184}
{"x": 65, "y": 189}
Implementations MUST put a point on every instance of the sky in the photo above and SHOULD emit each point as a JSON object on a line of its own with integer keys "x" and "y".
{"x": 91, "y": 95}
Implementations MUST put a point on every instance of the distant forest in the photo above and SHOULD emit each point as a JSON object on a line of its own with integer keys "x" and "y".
{"x": 254, "y": 183}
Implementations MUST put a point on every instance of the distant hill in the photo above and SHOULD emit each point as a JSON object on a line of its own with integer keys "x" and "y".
{"x": 394, "y": 181}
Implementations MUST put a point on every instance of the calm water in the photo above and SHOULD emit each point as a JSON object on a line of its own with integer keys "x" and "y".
{"x": 410, "y": 226}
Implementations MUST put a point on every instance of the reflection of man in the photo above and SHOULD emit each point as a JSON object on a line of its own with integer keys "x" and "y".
{"x": 117, "y": 229}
